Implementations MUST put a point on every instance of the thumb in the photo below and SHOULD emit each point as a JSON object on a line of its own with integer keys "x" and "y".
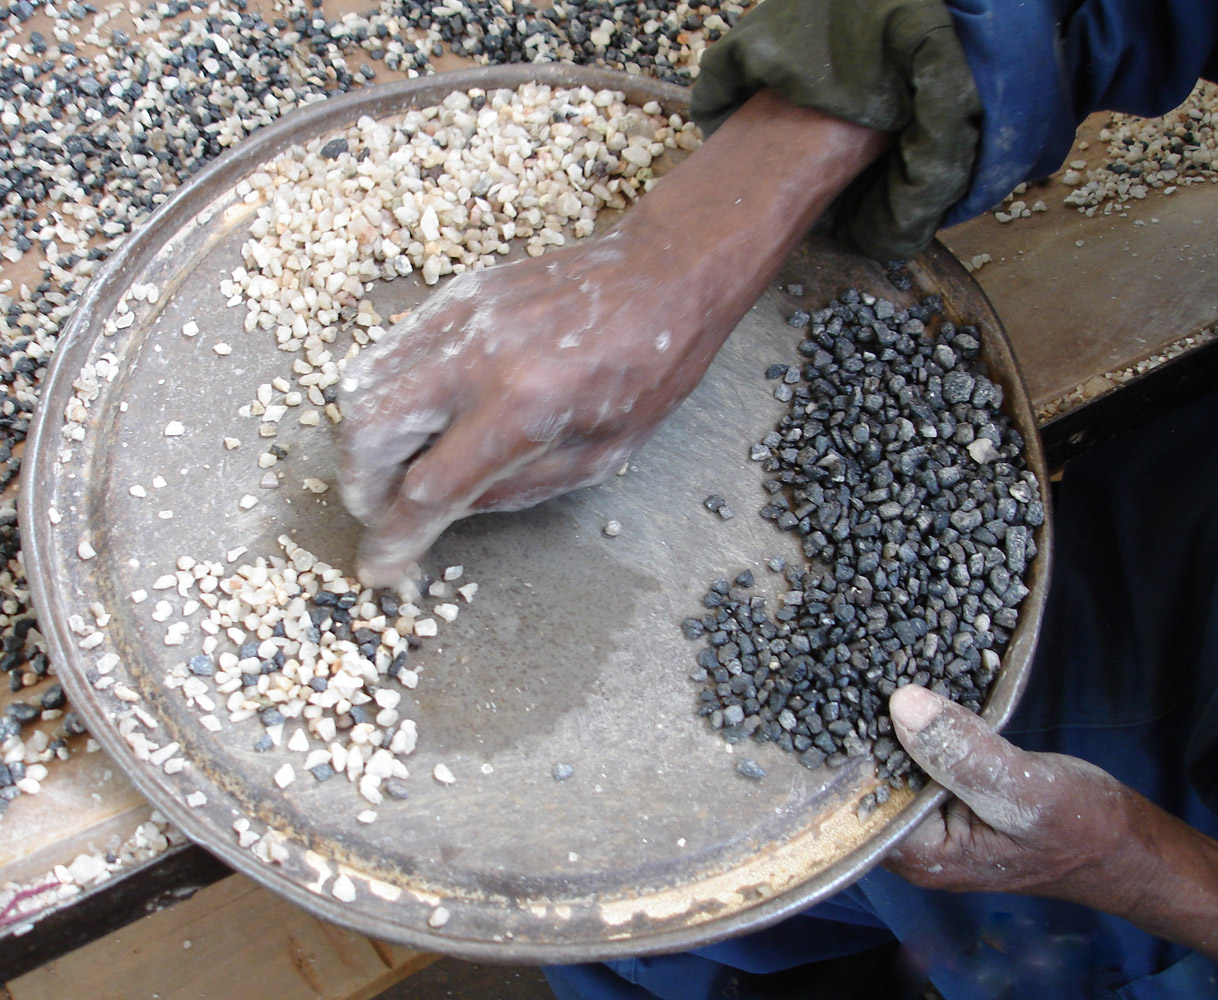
{"x": 992, "y": 776}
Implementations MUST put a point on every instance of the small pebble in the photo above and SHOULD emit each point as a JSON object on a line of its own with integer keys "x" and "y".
{"x": 749, "y": 768}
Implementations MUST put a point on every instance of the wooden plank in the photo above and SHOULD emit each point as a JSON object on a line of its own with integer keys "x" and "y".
{"x": 234, "y": 940}
{"x": 163, "y": 881}
{"x": 1133, "y": 286}
{"x": 84, "y": 802}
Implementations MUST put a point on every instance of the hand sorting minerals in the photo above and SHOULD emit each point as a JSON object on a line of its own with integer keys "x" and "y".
{"x": 1077, "y": 858}
{"x": 521, "y": 382}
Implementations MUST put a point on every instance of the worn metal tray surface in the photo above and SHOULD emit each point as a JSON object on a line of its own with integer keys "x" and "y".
{"x": 570, "y": 653}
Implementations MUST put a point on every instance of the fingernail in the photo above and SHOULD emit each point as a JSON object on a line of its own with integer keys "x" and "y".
{"x": 914, "y": 707}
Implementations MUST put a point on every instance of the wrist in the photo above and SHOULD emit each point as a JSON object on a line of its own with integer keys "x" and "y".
{"x": 1163, "y": 877}
{"x": 722, "y": 221}
{"x": 762, "y": 179}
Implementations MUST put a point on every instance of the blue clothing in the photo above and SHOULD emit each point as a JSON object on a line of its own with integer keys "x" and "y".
{"x": 1125, "y": 676}
{"x": 1042, "y": 66}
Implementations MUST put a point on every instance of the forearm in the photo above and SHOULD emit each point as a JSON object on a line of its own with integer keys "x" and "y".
{"x": 727, "y": 217}
{"x": 762, "y": 179}
{"x": 1171, "y": 874}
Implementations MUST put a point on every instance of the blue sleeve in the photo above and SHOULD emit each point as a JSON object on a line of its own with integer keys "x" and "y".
{"x": 1192, "y": 978}
{"x": 1042, "y": 66}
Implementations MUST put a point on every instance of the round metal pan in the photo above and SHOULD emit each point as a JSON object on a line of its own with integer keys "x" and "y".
{"x": 570, "y": 653}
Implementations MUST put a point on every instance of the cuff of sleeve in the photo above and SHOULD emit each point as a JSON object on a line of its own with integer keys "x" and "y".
{"x": 891, "y": 65}
{"x": 1015, "y": 54}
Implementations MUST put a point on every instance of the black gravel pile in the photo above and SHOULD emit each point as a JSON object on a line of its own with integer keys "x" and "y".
{"x": 653, "y": 37}
{"x": 906, "y": 485}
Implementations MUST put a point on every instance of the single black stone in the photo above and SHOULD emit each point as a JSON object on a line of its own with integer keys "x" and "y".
{"x": 53, "y": 698}
{"x": 334, "y": 149}
{"x": 749, "y": 768}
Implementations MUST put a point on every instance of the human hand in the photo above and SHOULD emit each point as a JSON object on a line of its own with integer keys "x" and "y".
{"x": 532, "y": 379}
{"x": 1032, "y": 823}
{"x": 524, "y": 381}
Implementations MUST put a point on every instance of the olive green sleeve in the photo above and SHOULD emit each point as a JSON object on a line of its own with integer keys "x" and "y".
{"x": 892, "y": 65}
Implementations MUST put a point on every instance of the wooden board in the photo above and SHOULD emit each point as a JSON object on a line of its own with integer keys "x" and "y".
{"x": 1134, "y": 286}
{"x": 234, "y": 940}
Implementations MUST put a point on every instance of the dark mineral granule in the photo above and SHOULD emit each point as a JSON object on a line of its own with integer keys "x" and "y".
{"x": 53, "y": 698}
{"x": 23, "y": 712}
{"x": 749, "y": 768}
{"x": 396, "y": 788}
{"x": 333, "y": 149}
{"x": 906, "y": 487}
{"x": 271, "y": 717}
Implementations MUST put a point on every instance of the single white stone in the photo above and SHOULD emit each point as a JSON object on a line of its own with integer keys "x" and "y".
{"x": 983, "y": 451}
{"x": 343, "y": 889}
{"x": 86, "y": 868}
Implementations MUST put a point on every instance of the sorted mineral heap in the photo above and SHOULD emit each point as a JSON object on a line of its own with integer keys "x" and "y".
{"x": 915, "y": 511}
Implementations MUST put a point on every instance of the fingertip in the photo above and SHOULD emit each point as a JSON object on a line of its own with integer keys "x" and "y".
{"x": 914, "y": 707}
{"x": 386, "y": 565}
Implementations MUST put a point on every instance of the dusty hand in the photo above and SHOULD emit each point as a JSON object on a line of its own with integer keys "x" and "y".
{"x": 1032, "y": 823}
{"x": 524, "y": 381}
{"x": 532, "y": 379}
